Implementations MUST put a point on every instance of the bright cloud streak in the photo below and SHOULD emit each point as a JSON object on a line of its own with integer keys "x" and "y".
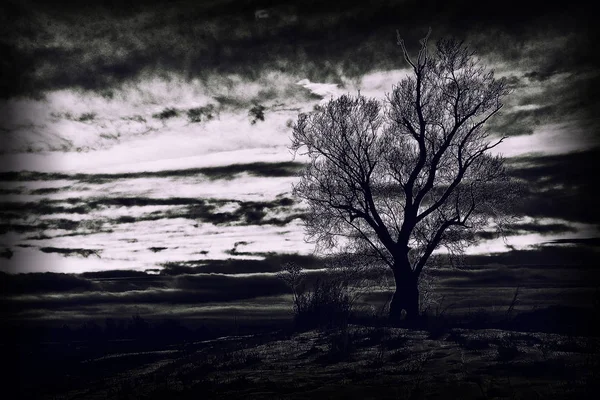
{"x": 548, "y": 139}
{"x": 130, "y": 247}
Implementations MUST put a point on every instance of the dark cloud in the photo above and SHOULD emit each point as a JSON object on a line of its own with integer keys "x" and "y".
{"x": 546, "y": 267}
{"x": 595, "y": 241}
{"x": 218, "y": 287}
{"x": 182, "y": 289}
{"x": 574, "y": 98}
{"x": 543, "y": 255}
{"x": 42, "y": 207}
{"x": 78, "y": 46}
{"x": 202, "y": 277}
{"x": 559, "y": 186}
{"x": 113, "y": 274}
{"x": 16, "y": 218}
{"x": 525, "y": 228}
{"x": 247, "y": 213}
{"x": 271, "y": 263}
{"x": 16, "y": 215}
{"x": 540, "y": 228}
{"x": 227, "y": 172}
{"x": 525, "y": 276}
{"x": 259, "y": 169}
{"x": 117, "y": 281}
{"x": 4, "y": 191}
{"x": 42, "y": 282}
{"x": 43, "y": 191}
{"x": 71, "y": 251}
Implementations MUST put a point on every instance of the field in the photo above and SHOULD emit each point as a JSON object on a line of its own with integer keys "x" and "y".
{"x": 360, "y": 362}
{"x": 497, "y": 342}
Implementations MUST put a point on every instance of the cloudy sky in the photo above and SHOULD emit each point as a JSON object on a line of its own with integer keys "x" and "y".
{"x": 143, "y": 135}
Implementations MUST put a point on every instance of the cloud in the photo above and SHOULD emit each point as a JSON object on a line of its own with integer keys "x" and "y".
{"x": 558, "y": 186}
{"x": 165, "y": 58}
{"x": 42, "y": 282}
{"x": 90, "y": 102}
{"x": 547, "y": 171}
{"x": 184, "y": 289}
{"x": 595, "y": 241}
{"x": 206, "y": 40}
{"x": 539, "y": 226}
{"x": 134, "y": 209}
{"x": 271, "y": 263}
{"x": 543, "y": 255}
{"x": 565, "y": 100}
{"x": 324, "y": 91}
{"x": 188, "y": 281}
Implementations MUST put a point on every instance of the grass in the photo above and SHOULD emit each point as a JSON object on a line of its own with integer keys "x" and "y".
{"x": 398, "y": 362}
{"x": 507, "y": 350}
{"x": 329, "y": 351}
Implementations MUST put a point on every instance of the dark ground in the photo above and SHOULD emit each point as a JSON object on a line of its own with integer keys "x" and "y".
{"x": 539, "y": 354}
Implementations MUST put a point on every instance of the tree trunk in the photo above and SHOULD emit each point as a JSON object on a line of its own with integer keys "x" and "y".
{"x": 406, "y": 296}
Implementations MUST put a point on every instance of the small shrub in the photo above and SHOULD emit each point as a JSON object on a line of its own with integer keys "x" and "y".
{"x": 327, "y": 305}
{"x": 437, "y": 327}
{"x": 340, "y": 347}
{"x": 476, "y": 344}
{"x": 378, "y": 359}
{"x": 138, "y": 327}
{"x": 244, "y": 358}
{"x": 507, "y": 350}
{"x": 312, "y": 351}
{"x": 547, "y": 349}
{"x": 395, "y": 342}
{"x": 399, "y": 356}
{"x": 239, "y": 382}
{"x": 456, "y": 337}
{"x": 417, "y": 364}
{"x": 375, "y": 336}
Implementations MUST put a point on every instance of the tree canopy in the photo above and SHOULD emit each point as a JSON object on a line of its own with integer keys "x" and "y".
{"x": 405, "y": 176}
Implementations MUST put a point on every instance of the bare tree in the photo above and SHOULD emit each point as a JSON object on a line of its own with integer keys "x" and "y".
{"x": 408, "y": 175}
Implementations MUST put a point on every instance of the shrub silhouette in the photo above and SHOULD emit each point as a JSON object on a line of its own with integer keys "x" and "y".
{"x": 326, "y": 304}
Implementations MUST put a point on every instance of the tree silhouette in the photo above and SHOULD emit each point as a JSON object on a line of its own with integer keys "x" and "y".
{"x": 400, "y": 178}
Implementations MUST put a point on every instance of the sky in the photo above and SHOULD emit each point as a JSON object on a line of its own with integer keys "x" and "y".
{"x": 147, "y": 135}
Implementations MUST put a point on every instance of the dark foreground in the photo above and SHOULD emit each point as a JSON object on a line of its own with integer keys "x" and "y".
{"x": 436, "y": 361}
